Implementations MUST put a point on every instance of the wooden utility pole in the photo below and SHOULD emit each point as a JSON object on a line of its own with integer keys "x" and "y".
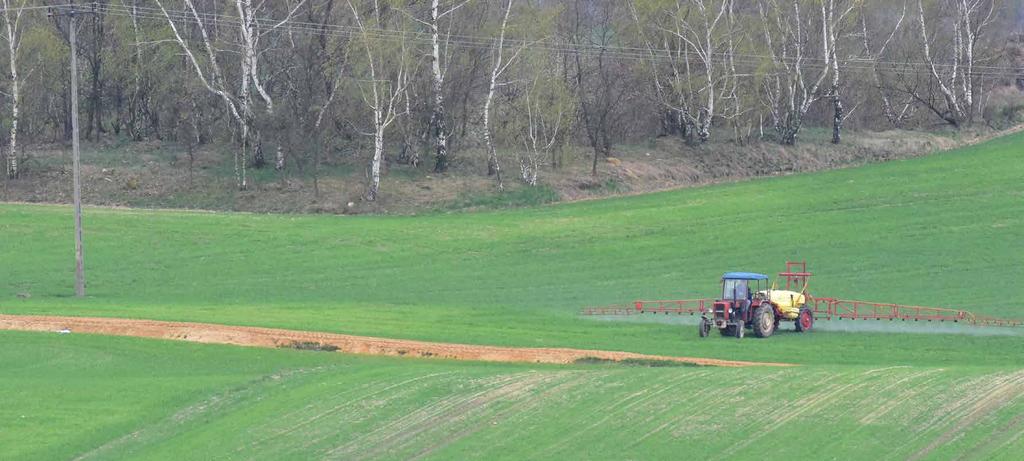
{"x": 71, "y": 11}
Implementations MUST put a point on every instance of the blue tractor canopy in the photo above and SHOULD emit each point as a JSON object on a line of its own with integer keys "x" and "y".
{"x": 744, "y": 276}
{"x": 742, "y": 285}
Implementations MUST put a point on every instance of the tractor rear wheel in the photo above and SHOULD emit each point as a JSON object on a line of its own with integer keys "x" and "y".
{"x": 804, "y": 320}
{"x": 764, "y": 321}
{"x": 705, "y": 327}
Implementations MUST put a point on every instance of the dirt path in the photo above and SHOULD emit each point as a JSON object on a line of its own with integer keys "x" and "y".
{"x": 274, "y": 337}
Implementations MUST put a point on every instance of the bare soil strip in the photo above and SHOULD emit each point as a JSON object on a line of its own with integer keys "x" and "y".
{"x": 274, "y": 337}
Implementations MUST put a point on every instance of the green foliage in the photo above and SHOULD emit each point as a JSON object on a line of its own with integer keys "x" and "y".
{"x": 1006, "y": 110}
{"x": 43, "y": 58}
{"x": 545, "y": 95}
{"x": 513, "y": 198}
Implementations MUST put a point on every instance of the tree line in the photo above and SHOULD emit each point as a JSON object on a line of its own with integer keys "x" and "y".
{"x": 287, "y": 83}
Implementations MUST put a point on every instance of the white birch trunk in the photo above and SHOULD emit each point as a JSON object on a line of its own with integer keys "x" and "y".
{"x": 493, "y": 165}
{"x": 957, "y": 88}
{"x": 249, "y": 35}
{"x": 888, "y": 109}
{"x": 791, "y": 100}
{"x": 701, "y": 38}
{"x": 215, "y": 84}
{"x": 540, "y": 134}
{"x": 382, "y": 105}
{"x": 837, "y": 101}
{"x": 734, "y": 77}
{"x": 13, "y": 44}
{"x": 245, "y": 31}
{"x": 378, "y": 154}
{"x": 440, "y": 126}
{"x": 952, "y": 103}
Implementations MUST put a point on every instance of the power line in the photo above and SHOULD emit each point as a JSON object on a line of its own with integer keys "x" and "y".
{"x": 637, "y": 51}
{"x": 31, "y": 8}
{"x": 478, "y": 42}
{"x": 614, "y": 52}
{"x": 661, "y": 55}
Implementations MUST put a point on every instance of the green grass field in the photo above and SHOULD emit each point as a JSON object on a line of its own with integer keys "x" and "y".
{"x": 106, "y": 398}
{"x": 945, "y": 230}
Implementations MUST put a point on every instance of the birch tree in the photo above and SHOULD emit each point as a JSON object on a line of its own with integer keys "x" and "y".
{"x": 499, "y": 65}
{"x": 386, "y": 68}
{"x": 956, "y": 79}
{"x": 248, "y": 40}
{"x": 210, "y": 73}
{"x": 545, "y": 114}
{"x": 733, "y": 94}
{"x": 12, "y": 23}
{"x": 690, "y": 51}
{"x": 250, "y": 35}
{"x": 212, "y": 77}
{"x": 439, "y": 59}
{"x": 795, "y": 80}
{"x": 834, "y": 18}
{"x": 897, "y": 113}
{"x": 667, "y": 62}
{"x": 699, "y": 26}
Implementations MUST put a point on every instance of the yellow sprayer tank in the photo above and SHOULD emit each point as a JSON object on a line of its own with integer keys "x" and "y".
{"x": 789, "y": 302}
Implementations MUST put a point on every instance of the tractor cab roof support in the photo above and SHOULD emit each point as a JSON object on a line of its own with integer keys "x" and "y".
{"x": 744, "y": 276}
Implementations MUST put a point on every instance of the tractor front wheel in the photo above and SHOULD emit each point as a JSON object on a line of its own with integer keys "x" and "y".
{"x": 728, "y": 331}
{"x": 804, "y": 320}
{"x": 705, "y": 327}
{"x": 764, "y": 321}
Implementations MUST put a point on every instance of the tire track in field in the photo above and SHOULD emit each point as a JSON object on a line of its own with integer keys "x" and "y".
{"x": 351, "y": 344}
{"x": 622, "y": 408}
{"x": 172, "y": 424}
{"x": 812, "y": 403}
{"x": 519, "y": 409}
{"x": 444, "y": 415}
{"x": 309, "y": 425}
{"x": 973, "y": 409}
{"x": 839, "y": 390}
{"x": 990, "y": 444}
{"x": 899, "y": 391}
{"x": 683, "y": 419}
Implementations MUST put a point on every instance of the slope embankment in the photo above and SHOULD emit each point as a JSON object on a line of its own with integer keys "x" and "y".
{"x": 274, "y": 337}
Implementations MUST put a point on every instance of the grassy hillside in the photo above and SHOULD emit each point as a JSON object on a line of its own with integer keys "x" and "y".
{"x": 941, "y": 230}
{"x": 945, "y": 229}
{"x": 114, "y": 398}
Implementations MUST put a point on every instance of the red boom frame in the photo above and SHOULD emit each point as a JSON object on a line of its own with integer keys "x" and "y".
{"x": 823, "y": 308}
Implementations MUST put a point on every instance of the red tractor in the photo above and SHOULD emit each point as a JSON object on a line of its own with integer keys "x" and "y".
{"x": 749, "y": 302}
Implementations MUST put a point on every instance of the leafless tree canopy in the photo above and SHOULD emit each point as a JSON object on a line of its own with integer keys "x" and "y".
{"x": 287, "y": 84}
